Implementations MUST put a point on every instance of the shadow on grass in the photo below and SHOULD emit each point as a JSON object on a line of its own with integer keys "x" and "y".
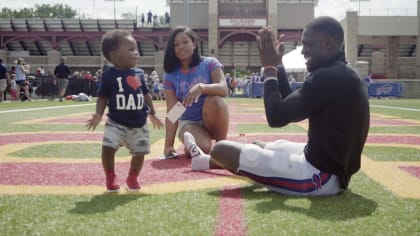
{"x": 103, "y": 203}
{"x": 344, "y": 206}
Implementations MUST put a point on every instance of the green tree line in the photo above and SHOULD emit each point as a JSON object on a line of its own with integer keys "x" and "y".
{"x": 40, "y": 11}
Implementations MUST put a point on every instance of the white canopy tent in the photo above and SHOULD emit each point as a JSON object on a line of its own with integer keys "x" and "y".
{"x": 294, "y": 61}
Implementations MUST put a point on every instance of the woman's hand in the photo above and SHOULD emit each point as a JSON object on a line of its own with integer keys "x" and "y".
{"x": 193, "y": 94}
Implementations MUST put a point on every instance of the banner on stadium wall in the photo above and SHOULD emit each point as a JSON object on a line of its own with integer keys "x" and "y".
{"x": 242, "y": 22}
{"x": 385, "y": 89}
{"x": 374, "y": 90}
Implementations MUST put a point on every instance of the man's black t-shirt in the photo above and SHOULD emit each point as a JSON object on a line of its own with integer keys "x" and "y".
{"x": 3, "y": 71}
{"x": 334, "y": 100}
{"x": 62, "y": 71}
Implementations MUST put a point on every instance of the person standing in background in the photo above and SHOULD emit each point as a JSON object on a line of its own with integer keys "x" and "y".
{"x": 13, "y": 88}
{"x": 143, "y": 20}
{"x": 4, "y": 80}
{"x": 229, "y": 84}
{"x": 62, "y": 74}
{"x": 167, "y": 18}
{"x": 149, "y": 18}
{"x": 21, "y": 69}
{"x": 367, "y": 81}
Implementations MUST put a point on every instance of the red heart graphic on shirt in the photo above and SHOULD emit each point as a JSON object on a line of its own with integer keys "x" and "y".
{"x": 133, "y": 82}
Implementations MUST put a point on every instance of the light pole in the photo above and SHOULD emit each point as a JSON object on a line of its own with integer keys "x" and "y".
{"x": 186, "y": 13}
{"x": 93, "y": 9}
{"x": 359, "y": 3}
{"x": 114, "y": 6}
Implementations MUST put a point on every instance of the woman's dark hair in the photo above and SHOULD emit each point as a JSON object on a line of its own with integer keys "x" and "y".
{"x": 170, "y": 61}
{"x": 327, "y": 26}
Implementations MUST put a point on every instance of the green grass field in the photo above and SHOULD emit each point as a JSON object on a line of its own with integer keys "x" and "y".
{"x": 369, "y": 207}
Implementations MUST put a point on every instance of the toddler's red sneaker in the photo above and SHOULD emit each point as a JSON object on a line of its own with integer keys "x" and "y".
{"x": 132, "y": 184}
{"x": 112, "y": 183}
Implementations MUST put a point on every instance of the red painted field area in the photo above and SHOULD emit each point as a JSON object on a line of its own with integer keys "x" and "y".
{"x": 73, "y": 174}
{"x": 230, "y": 220}
{"x": 154, "y": 171}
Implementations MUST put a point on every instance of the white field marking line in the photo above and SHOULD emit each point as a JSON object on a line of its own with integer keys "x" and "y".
{"x": 396, "y": 108}
{"x": 90, "y": 104}
{"x": 46, "y": 108}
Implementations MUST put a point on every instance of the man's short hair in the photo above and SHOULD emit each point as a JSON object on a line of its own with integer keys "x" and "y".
{"x": 327, "y": 26}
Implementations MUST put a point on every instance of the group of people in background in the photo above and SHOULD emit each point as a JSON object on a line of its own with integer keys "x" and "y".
{"x": 42, "y": 83}
{"x": 62, "y": 75}
{"x": 150, "y": 20}
{"x": 20, "y": 83}
{"x": 15, "y": 81}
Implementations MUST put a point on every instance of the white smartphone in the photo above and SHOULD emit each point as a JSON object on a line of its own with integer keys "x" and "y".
{"x": 176, "y": 112}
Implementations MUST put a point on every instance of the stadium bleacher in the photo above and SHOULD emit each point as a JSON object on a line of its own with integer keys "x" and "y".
{"x": 38, "y": 36}
{"x": 85, "y": 46}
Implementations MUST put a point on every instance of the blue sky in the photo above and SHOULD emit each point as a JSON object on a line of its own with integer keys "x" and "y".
{"x": 334, "y": 8}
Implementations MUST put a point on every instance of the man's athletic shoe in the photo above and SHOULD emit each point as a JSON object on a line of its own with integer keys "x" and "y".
{"x": 132, "y": 184}
{"x": 112, "y": 183}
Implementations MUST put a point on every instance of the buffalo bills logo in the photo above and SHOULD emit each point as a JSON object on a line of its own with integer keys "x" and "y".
{"x": 384, "y": 89}
{"x": 316, "y": 180}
